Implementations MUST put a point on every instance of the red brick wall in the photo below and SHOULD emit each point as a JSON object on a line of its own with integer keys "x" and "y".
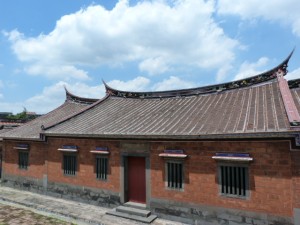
{"x": 86, "y": 175}
{"x": 296, "y": 177}
{"x": 270, "y": 175}
{"x": 37, "y": 154}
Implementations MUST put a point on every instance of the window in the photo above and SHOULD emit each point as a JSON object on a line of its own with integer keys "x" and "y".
{"x": 174, "y": 175}
{"x": 101, "y": 168}
{"x": 233, "y": 180}
{"x": 23, "y": 160}
{"x": 70, "y": 164}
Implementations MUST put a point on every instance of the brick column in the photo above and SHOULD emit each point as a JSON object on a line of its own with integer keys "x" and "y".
{"x": 289, "y": 104}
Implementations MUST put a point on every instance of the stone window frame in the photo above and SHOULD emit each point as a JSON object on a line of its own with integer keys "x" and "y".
{"x": 176, "y": 161}
{"x": 23, "y": 159}
{"x": 74, "y": 170}
{"x": 97, "y": 157}
{"x": 246, "y": 191}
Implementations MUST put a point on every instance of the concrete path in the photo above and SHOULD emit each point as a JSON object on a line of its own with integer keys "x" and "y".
{"x": 69, "y": 211}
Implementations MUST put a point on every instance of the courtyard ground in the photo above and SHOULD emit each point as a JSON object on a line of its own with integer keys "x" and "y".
{"x": 26, "y": 208}
{"x": 10, "y": 215}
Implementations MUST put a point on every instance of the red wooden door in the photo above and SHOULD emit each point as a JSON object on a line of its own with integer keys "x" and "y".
{"x": 137, "y": 179}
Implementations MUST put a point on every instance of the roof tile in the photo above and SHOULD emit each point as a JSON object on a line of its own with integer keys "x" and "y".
{"x": 245, "y": 110}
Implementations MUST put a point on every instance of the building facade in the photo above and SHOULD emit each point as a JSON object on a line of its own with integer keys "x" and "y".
{"x": 221, "y": 154}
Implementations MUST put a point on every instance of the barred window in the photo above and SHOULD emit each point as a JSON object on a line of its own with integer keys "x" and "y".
{"x": 101, "y": 168}
{"x": 233, "y": 180}
{"x": 174, "y": 175}
{"x": 69, "y": 164}
{"x": 23, "y": 159}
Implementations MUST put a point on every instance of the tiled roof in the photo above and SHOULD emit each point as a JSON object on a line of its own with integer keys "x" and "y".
{"x": 4, "y": 129}
{"x": 255, "y": 109}
{"x": 32, "y": 129}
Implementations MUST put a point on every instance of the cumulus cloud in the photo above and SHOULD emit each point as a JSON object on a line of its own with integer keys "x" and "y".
{"x": 154, "y": 66}
{"x": 285, "y": 12}
{"x": 11, "y": 107}
{"x": 57, "y": 71}
{"x": 137, "y": 84}
{"x": 155, "y": 34}
{"x": 54, "y": 95}
{"x": 250, "y": 69}
{"x": 295, "y": 74}
{"x": 172, "y": 83}
{"x": 223, "y": 72}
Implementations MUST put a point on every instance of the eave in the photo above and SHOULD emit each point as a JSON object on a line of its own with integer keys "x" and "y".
{"x": 266, "y": 135}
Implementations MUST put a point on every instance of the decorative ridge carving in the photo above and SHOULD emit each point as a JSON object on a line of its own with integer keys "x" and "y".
{"x": 294, "y": 83}
{"x": 253, "y": 80}
{"x": 74, "y": 98}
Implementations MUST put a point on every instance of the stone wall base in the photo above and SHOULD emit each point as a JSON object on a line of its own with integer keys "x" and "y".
{"x": 87, "y": 195}
{"x": 177, "y": 211}
{"x": 209, "y": 215}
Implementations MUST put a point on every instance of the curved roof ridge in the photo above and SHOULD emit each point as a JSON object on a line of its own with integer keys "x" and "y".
{"x": 246, "y": 82}
{"x": 75, "y": 98}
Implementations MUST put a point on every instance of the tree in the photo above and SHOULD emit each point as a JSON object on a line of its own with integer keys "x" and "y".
{"x": 19, "y": 116}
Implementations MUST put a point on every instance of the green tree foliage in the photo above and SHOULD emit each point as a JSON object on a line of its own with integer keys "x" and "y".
{"x": 20, "y": 116}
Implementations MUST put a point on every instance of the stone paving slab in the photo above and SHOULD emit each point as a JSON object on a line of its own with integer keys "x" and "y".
{"x": 11, "y": 215}
{"x": 67, "y": 210}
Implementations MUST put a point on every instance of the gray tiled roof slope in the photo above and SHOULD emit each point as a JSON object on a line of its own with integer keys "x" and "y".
{"x": 32, "y": 129}
{"x": 245, "y": 110}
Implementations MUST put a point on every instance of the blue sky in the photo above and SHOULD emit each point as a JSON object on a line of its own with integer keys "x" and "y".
{"x": 137, "y": 45}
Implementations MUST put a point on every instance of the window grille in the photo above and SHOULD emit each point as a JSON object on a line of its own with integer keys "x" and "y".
{"x": 234, "y": 180}
{"x": 175, "y": 175}
{"x": 101, "y": 168}
{"x": 23, "y": 160}
{"x": 70, "y": 164}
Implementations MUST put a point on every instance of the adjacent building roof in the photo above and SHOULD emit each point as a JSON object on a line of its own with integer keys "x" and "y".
{"x": 253, "y": 106}
{"x": 31, "y": 130}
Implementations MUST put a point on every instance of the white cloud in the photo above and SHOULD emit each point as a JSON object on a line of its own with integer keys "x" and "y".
{"x": 57, "y": 71}
{"x": 285, "y": 12}
{"x": 137, "y": 84}
{"x": 46, "y": 101}
{"x": 223, "y": 73}
{"x": 54, "y": 95}
{"x": 1, "y": 86}
{"x": 250, "y": 69}
{"x": 11, "y": 107}
{"x": 172, "y": 83}
{"x": 155, "y": 34}
{"x": 295, "y": 74}
{"x": 154, "y": 66}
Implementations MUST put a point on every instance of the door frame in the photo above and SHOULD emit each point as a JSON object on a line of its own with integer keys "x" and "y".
{"x": 124, "y": 176}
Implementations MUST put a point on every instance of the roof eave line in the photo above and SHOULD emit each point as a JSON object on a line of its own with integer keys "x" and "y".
{"x": 288, "y": 134}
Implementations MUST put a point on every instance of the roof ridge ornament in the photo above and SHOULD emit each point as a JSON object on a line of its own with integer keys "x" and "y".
{"x": 75, "y": 98}
{"x": 246, "y": 82}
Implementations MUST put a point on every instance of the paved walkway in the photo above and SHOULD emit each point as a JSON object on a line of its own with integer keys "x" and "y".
{"x": 66, "y": 210}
